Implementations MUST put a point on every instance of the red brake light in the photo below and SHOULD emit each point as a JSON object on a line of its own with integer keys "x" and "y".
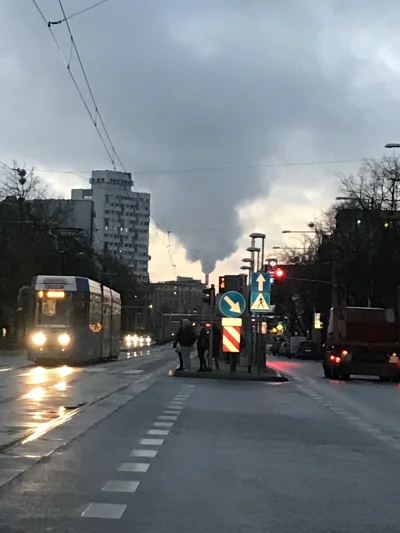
{"x": 332, "y": 357}
{"x": 279, "y": 273}
{"x": 338, "y": 360}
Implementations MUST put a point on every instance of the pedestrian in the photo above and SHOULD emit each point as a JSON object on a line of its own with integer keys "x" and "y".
{"x": 177, "y": 347}
{"x": 217, "y": 339}
{"x": 186, "y": 337}
{"x": 203, "y": 344}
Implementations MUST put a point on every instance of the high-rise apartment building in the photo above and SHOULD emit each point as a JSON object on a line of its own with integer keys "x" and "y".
{"x": 122, "y": 219}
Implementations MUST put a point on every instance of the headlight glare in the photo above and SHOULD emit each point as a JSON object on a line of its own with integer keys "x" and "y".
{"x": 64, "y": 339}
{"x": 39, "y": 338}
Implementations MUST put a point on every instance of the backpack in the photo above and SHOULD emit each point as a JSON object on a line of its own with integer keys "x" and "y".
{"x": 188, "y": 336}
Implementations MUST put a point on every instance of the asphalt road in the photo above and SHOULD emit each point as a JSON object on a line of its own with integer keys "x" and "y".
{"x": 211, "y": 456}
{"x": 33, "y": 399}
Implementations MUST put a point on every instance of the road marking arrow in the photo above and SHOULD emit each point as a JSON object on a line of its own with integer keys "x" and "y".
{"x": 260, "y": 280}
{"x": 235, "y": 306}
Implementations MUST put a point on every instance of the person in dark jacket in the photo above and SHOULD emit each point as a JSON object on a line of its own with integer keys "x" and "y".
{"x": 178, "y": 348}
{"x": 186, "y": 337}
{"x": 203, "y": 344}
{"x": 217, "y": 340}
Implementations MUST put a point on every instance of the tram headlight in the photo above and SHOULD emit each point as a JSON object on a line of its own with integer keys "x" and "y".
{"x": 38, "y": 338}
{"x": 64, "y": 339}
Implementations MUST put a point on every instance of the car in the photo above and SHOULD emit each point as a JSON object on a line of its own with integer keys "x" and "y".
{"x": 307, "y": 350}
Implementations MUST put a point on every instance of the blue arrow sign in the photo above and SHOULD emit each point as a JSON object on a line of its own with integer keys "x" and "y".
{"x": 260, "y": 302}
{"x": 260, "y": 282}
{"x": 232, "y": 304}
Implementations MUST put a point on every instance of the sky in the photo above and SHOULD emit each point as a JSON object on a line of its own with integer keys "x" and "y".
{"x": 236, "y": 115}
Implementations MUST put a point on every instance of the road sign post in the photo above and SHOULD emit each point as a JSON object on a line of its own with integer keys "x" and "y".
{"x": 260, "y": 302}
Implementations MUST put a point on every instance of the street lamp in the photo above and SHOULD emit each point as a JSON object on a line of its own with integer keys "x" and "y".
{"x": 249, "y": 270}
{"x": 392, "y": 145}
{"x": 289, "y": 248}
{"x": 295, "y": 231}
{"x": 253, "y": 250}
{"x": 261, "y": 236}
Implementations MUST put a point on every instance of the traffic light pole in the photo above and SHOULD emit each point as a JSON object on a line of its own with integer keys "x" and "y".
{"x": 212, "y": 320}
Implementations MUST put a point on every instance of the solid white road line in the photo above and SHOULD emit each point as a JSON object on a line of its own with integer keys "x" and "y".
{"x": 120, "y": 486}
{"x": 133, "y": 371}
{"x": 158, "y": 432}
{"x": 104, "y": 510}
{"x": 134, "y": 467}
{"x": 143, "y": 453}
{"x": 163, "y": 424}
{"x": 152, "y": 442}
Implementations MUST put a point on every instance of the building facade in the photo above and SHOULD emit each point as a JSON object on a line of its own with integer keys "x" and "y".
{"x": 122, "y": 219}
{"x": 185, "y": 295}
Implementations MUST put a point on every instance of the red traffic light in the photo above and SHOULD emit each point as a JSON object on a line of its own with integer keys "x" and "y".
{"x": 279, "y": 273}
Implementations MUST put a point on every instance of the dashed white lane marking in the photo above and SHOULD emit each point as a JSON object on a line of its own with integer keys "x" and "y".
{"x": 143, "y": 453}
{"x": 175, "y": 407}
{"x": 152, "y": 442}
{"x": 133, "y": 371}
{"x": 177, "y": 404}
{"x": 163, "y": 424}
{"x": 167, "y": 417}
{"x": 158, "y": 432}
{"x": 354, "y": 420}
{"x": 134, "y": 467}
{"x": 121, "y": 486}
{"x": 104, "y": 510}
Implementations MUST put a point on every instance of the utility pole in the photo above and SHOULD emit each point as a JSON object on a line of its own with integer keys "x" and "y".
{"x": 209, "y": 299}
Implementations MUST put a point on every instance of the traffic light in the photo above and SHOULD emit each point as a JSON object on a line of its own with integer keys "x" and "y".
{"x": 279, "y": 276}
{"x": 222, "y": 284}
{"x": 209, "y": 297}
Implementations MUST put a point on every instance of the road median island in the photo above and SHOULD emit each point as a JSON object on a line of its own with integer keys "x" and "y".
{"x": 241, "y": 374}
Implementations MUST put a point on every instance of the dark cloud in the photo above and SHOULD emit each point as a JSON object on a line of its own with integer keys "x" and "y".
{"x": 192, "y": 84}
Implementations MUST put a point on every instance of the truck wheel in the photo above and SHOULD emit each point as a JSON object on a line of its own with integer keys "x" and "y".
{"x": 345, "y": 377}
{"x": 335, "y": 374}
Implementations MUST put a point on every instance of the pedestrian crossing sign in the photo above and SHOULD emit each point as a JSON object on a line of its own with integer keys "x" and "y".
{"x": 260, "y": 302}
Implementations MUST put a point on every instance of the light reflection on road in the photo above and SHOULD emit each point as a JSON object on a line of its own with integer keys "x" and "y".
{"x": 36, "y": 399}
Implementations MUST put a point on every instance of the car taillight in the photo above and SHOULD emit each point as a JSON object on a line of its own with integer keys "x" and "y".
{"x": 338, "y": 360}
{"x": 332, "y": 357}
{"x": 344, "y": 352}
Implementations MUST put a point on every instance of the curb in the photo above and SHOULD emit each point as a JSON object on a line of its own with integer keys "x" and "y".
{"x": 277, "y": 378}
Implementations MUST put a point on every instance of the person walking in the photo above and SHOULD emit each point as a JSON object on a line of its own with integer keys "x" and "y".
{"x": 203, "y": 344}
{"x": 186, "y": 337}
{"x": 217, "y": 340}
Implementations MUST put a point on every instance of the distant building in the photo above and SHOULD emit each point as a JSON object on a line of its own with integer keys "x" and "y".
{"x": 69, "y": 216}
{"x": 185, "y": 295}
{"x": 122, "y": 219}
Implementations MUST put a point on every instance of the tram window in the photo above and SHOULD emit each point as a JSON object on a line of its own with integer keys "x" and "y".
{"x": 54, "y": 311}
{"x": 81, "y": 309}
{"x": 95, "y": 313}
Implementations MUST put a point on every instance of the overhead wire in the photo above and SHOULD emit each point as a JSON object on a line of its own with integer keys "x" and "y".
{"x": 110, "y": 150}
{"x": 53, "y": 23}
{"x": 232, "y": 167}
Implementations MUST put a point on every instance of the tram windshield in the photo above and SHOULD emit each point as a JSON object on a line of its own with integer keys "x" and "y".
{"x": 54, "y": 308}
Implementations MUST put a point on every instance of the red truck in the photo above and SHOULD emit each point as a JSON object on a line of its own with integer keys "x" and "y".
{"x": 362, "y": 341}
